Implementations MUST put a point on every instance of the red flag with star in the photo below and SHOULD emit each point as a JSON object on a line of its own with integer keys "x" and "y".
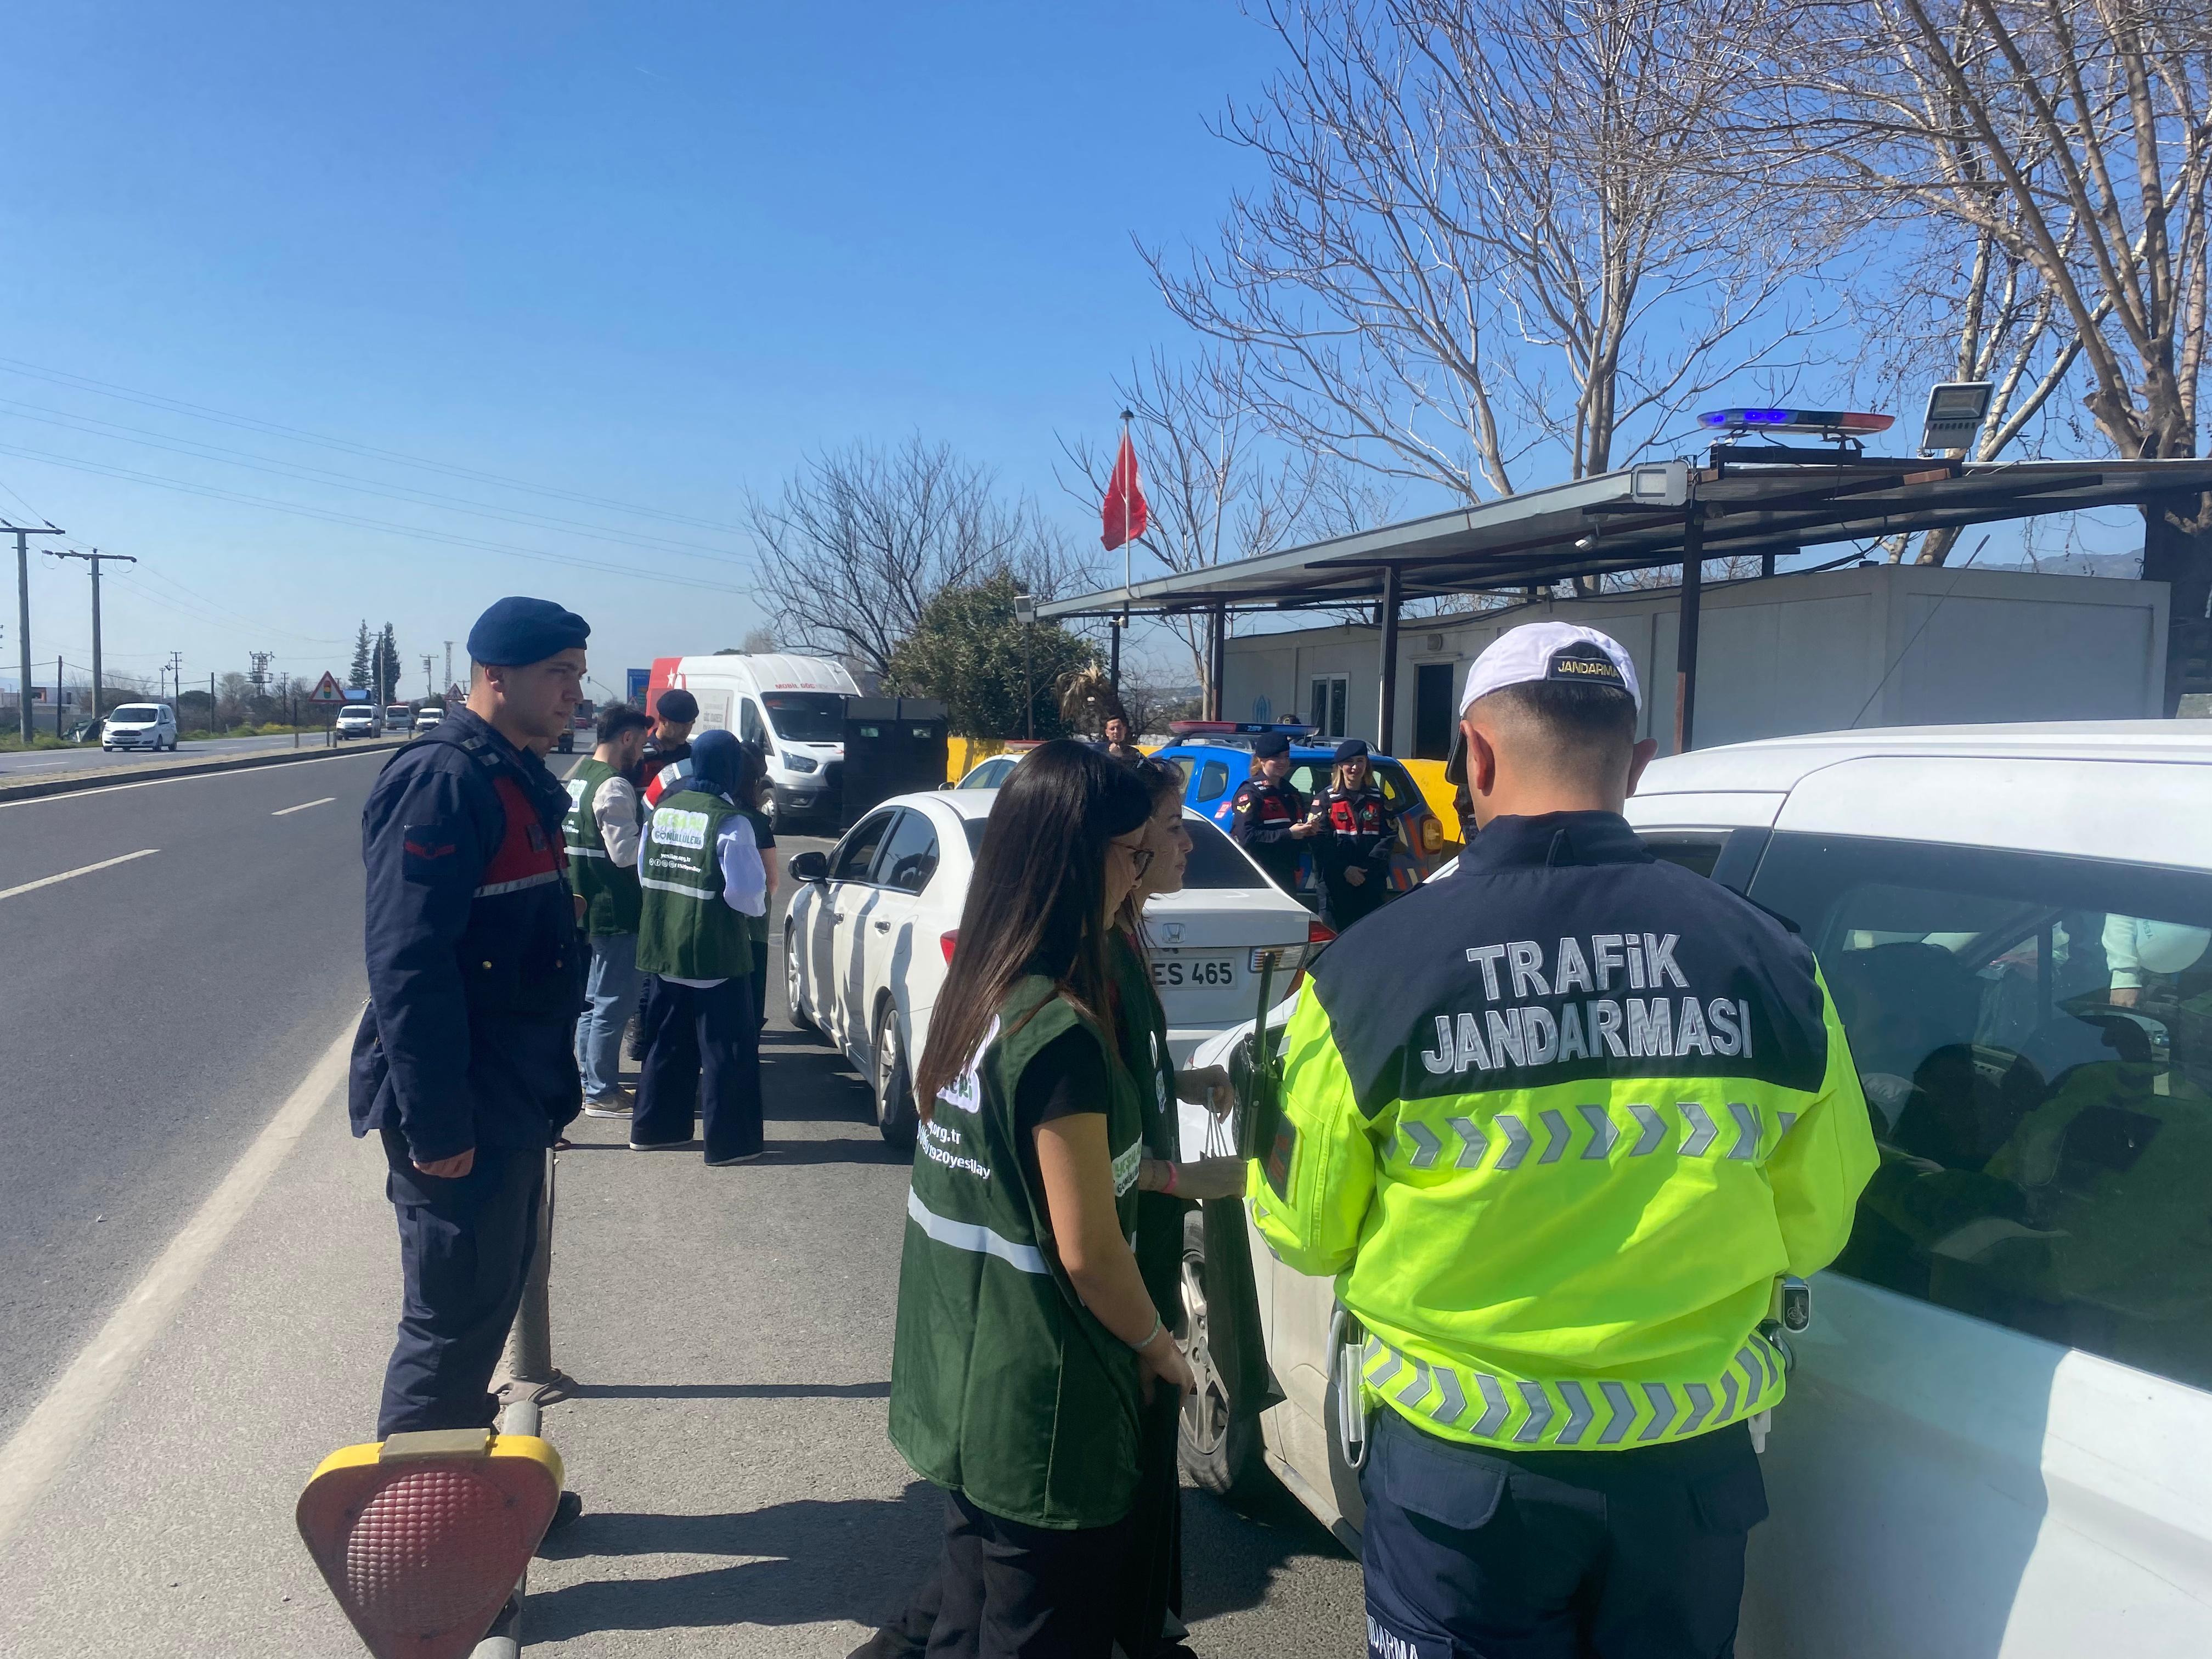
{"x": 1123, "y": 515}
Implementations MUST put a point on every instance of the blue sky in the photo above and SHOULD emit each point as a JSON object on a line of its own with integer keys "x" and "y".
{"x": 650, "y": 256}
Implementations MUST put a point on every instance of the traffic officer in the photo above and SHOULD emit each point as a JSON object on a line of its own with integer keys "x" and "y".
{"x": 1270, "y": 817}
{"x": 1558, "y": 1127}
{"x": 1361, "y": 832}
{"x": 466, "y": 1062}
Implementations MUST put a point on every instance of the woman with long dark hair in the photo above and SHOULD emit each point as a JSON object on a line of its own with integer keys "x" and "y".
{"x": 1027, "y": 1341}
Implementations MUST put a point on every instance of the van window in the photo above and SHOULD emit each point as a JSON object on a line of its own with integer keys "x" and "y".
{"x": 1698, "y": 854}
{"x": 909, "y": 855}
{"x": 134, "y": 712}
{"x": 2034, "y": 1037}
{"x": 750, "y": 728}
{"x": 806, "y": 716}
{"x": 1212, "y": 781}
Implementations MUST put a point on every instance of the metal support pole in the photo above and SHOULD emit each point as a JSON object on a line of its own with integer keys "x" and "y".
{"x": 1217, "y": 653}
{"x": 1686, "y": 628}
{"x": 1767, "y": 564}
{"x": 1386, "y": 725}
{"x": 1114, "y": 664}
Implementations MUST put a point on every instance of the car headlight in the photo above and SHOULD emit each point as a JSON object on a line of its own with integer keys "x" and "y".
{"x": 801, "y": 763}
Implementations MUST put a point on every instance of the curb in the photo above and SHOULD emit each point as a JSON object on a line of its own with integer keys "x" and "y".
{"x": 114, "y": 777}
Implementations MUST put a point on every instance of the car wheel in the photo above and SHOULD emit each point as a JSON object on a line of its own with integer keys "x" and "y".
{"x": 1217, "y": 1438}
{"x": 794, "y": 1008}
{"x": 894, "y": 1111}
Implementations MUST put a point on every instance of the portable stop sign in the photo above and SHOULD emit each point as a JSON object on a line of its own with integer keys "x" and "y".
{"x": 422, "y": 1537}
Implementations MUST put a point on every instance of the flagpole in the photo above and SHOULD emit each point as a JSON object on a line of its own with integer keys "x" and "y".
{"x": 1129, "y": 489}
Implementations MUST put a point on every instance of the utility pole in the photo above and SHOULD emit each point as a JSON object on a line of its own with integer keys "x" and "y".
{"x": 428, "y": 690}
{"x": 449, "y": 664}
{"x": 94, "y": 559}
{"x": 177, "y": 680}
{"x": 23, "y": 617}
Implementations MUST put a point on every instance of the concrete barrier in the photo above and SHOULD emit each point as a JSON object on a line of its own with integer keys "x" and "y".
{"x": 109, "y": 777}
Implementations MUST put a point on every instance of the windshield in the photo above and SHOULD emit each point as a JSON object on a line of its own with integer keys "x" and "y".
{"x": 806, "y": 716}
{"x": 135, "y": 713}
{"x": 356, "y": 713}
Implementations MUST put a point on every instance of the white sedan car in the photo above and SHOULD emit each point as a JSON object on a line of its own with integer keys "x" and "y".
{"x": 872, "y": 926}
{"x": 1998, "y": 1437}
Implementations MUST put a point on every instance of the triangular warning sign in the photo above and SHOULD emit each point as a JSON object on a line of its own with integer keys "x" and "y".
{"x": 327, "y": 690}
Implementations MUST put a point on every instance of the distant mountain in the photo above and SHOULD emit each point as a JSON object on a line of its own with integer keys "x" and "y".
{"x": 2125, "y": 566}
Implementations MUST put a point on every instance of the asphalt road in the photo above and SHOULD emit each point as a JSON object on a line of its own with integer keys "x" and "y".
{"x": 731, "y": 1329}
{"x": 42, "y": 763}
{"x": 154, "y": 1013}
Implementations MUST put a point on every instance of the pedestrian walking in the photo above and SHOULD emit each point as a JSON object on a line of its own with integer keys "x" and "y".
{"x": 1027, "y": 1343}
{"x": 1359, "y": 832}
{"x": 1270, "y": 818}
{"x": 602, "y": 832}
{"x": 1558, "y": 1127}
{"x": 702, "y": 876}
{"x": 464, "y": 1065}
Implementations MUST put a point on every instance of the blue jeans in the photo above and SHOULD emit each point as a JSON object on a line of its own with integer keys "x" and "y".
{"x": 610, "y": 997}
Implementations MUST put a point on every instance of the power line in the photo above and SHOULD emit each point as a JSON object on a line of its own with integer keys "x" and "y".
{"x": 201, "y": 412}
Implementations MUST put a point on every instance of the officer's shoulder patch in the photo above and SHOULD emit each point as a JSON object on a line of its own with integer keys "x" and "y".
{"x": 426, "y": 847}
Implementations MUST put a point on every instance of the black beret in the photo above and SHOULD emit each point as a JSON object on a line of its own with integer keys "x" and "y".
{"x": 519, "y": 630}
{"x": 1270, "y": 744}
{"x": 1351, "y": 749}
{"x": 677, "y": 705}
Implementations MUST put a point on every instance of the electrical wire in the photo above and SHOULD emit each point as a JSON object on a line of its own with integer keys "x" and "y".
{"x": 299, "y": 434}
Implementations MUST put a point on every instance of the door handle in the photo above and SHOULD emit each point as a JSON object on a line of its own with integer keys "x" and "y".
{"x": 835, "y": 919}
{"x": 882, "y": 927}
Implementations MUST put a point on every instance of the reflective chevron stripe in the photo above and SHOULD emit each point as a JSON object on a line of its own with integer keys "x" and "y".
{"x": 1475, "y": 1142}
{"x": 1426, "y": 1143}
{"x": 1555, "y": 1127}
{"x": 1701, "y": 1129}
{"x": 1516, "y": 1142}
{"x": 1603, "y": 1133}
{"x": 1654, "y": 1131}
{"x": 1749, "y": 1130}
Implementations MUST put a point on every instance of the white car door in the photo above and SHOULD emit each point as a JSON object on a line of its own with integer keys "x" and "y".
{"x": 886, "y": 938}
{"x": 835, "y": 903}
{"x": 1998, "y": 1437}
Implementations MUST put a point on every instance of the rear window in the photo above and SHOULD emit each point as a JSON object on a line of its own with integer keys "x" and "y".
{"x": 1214, "y": 860}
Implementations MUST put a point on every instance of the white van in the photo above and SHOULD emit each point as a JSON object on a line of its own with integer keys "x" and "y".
{"x": 793, "y": 707}
{"x": 360, "y": 720}
{"x": 1998, "y": 1435}
{"x": 140, "y": 726}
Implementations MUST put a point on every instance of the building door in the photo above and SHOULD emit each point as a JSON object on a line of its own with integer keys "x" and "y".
{"x": 1331, "y": 692}
{"x": 1432, "y": 711}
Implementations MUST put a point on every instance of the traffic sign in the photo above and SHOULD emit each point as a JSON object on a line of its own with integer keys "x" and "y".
{"x": 326, "y": 690}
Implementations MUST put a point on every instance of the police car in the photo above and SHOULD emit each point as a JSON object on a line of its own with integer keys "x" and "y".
{"x": 1998, "y": 1437}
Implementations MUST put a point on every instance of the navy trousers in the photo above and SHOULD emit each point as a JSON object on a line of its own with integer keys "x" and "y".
{"x": 702, "y": 1055}
{"x": 1474, "y": 1554}
{"x": 464, "y": 1250}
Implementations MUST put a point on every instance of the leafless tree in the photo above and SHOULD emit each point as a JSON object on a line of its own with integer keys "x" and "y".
{"x": 1488, "y": 228}
{"x": 859, "y": 540}
{"x": 2075, "y": 137}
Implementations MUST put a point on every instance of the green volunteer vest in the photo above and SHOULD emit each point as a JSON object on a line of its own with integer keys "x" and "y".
{"x": 685, "y": 930}
{"x": 611, "y": 893}
{"x": 1004, "y": 1386}
{"x": 1145, "y": 1052}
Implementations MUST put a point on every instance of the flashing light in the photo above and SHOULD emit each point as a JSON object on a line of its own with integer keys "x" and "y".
{"x": 1240, "y": 729}
{"x": 1796, "y": 420}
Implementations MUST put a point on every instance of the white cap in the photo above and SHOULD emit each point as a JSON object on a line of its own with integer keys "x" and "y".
{"x": 1553, "y": 651}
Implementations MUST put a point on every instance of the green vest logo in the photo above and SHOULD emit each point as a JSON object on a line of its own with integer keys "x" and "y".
{"x": 966, "y": 1092}
{"x": 673, "y": 827}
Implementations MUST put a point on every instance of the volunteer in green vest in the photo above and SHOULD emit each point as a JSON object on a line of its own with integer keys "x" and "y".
{"x": 1149, "y": 1618}
{"x": 602, "y": 832}
{"x": 702, "y": 877}
{"x": 1027, "y": 1343}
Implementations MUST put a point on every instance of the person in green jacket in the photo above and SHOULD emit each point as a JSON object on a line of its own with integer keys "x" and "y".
{"x": 1027, "y": 1343}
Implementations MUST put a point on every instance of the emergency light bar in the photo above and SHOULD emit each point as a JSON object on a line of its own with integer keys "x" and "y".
{"x": 1837, "y": 420}
{"x": 1239, "y": 728}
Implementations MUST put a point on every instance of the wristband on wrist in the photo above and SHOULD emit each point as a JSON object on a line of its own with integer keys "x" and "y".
{"x": 1139, "y": 1347}
{"x": 1172, "y": 1173}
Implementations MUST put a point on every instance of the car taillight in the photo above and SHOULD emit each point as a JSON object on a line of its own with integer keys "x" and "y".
{"x": 1293, "y": 959}
{"x": 948, "y": 940}
{"x": 1318, "y": 933}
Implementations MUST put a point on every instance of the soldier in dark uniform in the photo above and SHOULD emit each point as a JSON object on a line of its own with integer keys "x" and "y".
{"x": 465, "y": 1061}
{"x": 1271, "y": 816}
{"x": 1360, "y": 831}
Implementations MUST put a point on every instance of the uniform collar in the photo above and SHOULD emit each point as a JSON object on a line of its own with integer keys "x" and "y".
{"x": 1551, "y": 839}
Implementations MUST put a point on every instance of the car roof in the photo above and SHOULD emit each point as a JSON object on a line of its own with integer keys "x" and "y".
{"x": 1778, "y": 764}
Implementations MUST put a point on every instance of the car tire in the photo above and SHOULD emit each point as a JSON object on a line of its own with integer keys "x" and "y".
{"x": 897, "y": 1120}
{"x": 794, "y": 1010}
{"x": 1217, "y": 1438}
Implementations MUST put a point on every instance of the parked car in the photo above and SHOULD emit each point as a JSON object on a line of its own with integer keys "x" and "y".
{"x": 992, "y": 772}
{"x": 872, "y": 924}
{"x": 357, "y": 719}
{"x": 140, "y": 726}
{"x": 400, "y": 717}
{"x": 1998, "y": 1437}
{"x": 427, "y": 716}
{"x": 581, "y": 724}
{"x": 1215, "y": 757}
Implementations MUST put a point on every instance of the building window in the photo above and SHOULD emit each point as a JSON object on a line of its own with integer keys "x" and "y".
{"x": 1327, "y": 704}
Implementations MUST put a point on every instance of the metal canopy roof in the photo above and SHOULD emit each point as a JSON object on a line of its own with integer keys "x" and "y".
{"x": 1755, "y": 501}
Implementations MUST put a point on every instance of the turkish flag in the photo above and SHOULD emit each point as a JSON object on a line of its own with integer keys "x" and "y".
{"x": 1124, "y": 514}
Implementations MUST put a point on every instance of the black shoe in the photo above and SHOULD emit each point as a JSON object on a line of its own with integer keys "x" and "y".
{"x": 566, "y": 1513}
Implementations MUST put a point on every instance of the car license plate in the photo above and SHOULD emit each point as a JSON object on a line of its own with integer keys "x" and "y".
{"x": 1194, "y": 970}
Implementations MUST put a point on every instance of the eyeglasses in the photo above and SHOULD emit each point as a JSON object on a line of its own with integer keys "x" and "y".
{"x": 1140, "y": 858}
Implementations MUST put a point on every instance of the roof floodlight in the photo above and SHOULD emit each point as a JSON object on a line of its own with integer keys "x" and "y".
{"x": 1955, "y": 412}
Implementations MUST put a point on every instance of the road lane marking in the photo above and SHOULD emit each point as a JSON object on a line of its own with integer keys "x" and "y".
{"x": 286, "y": 811}
{"x": 43, "y": 1446}
{"x": 67, "y": 875}
{"x": 188, "y": 777}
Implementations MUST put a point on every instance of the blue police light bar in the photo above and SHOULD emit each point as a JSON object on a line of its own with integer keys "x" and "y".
{"x": 1796, "y": 420}
{"x": 1240, "y": 729}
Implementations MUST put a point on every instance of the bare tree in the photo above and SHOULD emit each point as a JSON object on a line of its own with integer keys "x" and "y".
{"x": 1490, "y": 227}
{"x": 2074, "y": 137}
{"x": 860, "y": 539}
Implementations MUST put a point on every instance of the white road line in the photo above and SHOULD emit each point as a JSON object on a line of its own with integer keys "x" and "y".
{"x": 287, "y": 812}
{"x": 72, "y": 1408}
{"x": 66, "y": 875}
{"x": 189, "y": 777}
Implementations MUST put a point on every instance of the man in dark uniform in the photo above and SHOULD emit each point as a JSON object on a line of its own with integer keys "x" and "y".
{"x": 674, "y": 715}
{"x": 1271, "y": 816}
{"x": 465, "y": 1061}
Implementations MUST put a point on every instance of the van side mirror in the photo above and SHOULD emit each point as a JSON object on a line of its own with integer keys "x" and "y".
{"x": 810, "y": 867}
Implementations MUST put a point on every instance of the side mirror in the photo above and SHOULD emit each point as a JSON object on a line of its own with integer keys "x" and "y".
{"x": 810, "y": 867}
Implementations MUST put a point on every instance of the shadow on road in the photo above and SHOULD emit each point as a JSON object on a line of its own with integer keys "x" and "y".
{"x": 732, "y": 1391}
{"x": 1232, "y": 1555}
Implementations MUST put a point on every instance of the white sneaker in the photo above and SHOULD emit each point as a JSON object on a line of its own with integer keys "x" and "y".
{"x": 742, "y": 1157}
